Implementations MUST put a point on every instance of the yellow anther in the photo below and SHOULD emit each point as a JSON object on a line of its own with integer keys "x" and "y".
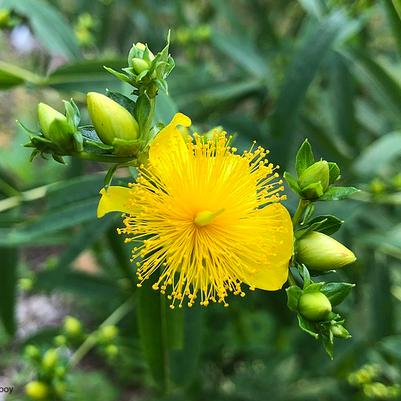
{"x": 206, "y": 217}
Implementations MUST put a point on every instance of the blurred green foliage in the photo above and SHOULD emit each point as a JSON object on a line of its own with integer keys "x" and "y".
{"x": 274, "y": 71}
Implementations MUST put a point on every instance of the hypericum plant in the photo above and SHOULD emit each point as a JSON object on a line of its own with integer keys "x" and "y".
{"x": 205, "y": 220}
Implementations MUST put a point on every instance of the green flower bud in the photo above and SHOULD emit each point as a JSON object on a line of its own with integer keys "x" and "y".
{"x": 60, "y": 371}
{"x": 72, "y": 327}
{"x": 111, "y": 351}
{"x": 377, "y": 186}
{"x": 320, "y": 252}
{"x": 139, "y": 65}
{"x": 309, "y": 180}
{"x": 32, "y": 352}
{"x": 340, "y": 331}
{"x": 4, "y": 17}
{"x": 111, "y": 120}
{"x": 140, "y": 50}
{"x": 54, "y": 125}
{"x": 25, "y": 283}
{"x": 60, "y": 388}
{"x": 37, "y": 390}
{"x": 49, "y": 359}
{"x": 60, "y": 340}
{"x": 108, "y": 333}
{"x": 314, "y": 306}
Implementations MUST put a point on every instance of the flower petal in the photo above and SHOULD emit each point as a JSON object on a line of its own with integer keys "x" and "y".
{"x": 114, "y": 199}
{"x": 168, "y": 139}
{"x": 272, "y": 275}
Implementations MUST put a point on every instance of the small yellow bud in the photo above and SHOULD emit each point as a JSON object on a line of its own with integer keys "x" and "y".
{"x": 49, "y": 359}
{"x": 72, "y": 327}
{"x": 108, "y": 333}
{"x": 320, "y": 252}
{"x": 314, "y": 306}
{"x": 110, "y": 119}
{"x": 53, "y": 124}
{"x": 37, "y": 390}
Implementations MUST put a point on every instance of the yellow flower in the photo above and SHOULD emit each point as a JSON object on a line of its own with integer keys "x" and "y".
{"x": 204, "y": 218}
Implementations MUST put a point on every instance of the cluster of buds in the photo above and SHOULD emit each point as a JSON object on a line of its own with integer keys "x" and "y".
{"x": 51, "y": 371}
{"x": 122, "y": 127}
{"x": 316, "y": 251}
{"x": 146, "y": 72}
{"x": 369, "y": 379}
{"x": 315, "y": 179}
{"x": 52, "y": 365}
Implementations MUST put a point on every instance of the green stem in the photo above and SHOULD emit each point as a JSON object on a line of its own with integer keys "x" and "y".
{"x": 91, "y": 340}
{"x": 105, "y": 158}
{"x": 302, "y": 204}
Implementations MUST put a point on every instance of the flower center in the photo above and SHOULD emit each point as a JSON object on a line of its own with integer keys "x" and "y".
{"x": 206, "y": 217}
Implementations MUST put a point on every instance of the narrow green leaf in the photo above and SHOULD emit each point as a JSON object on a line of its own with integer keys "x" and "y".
{"x": 292, "y": 182}
{"x": 307, "y": 326}
{"x": 394, "y": 21}
{"x": 241, "y": 51}
{"x": 329, "y": 224}
{"x": 338, "y": 193}
{"x": 334, "y": 172}
{"x": 9, "y": 263}
{"x": 304, "y": 157}
{"x": 293, "y": 295}
{"x": 336, "y": 292}
{"x": 379, "y": 154}
{"x": 151, "y": 313}
{"x": 302, "y": 71}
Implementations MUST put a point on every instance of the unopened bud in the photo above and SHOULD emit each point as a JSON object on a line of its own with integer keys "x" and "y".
{"x": 110, "y": 119}
{"x": 60, "y": 340}
{"x": 111, "y": 351}
{"x": 54, "y": 125}
{"x": 32, "y": 352}
{"x": 340, "y": 331}
{"x": 37, "y": 390}
{"x": 72, "y": 327}
{"x": 139, "y": 65}
{"x": 315, "y": 180}
{"x": 314, "y": 306}
{"x": 320, "y": 252}
{"x": 140, "y": 47}
{"x": 49, "y": 359}
{"x": 108, "y": 333}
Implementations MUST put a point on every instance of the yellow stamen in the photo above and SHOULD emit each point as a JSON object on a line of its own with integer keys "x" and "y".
{"x": 206, "y": 217}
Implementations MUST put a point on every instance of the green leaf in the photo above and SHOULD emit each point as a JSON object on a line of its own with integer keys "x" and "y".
{"x": 394, "y": 21}
{"x": 338, "y": 193}
{"x": 242, "y": 52}
{"x": 11, "y": 75}
{"x": 124, "y": 101}
{"x": 9, "y": 262}
{"x": 378, "y": 155}
{"x": 49, "y": 26}
{"x": 184, "y": 361}
{"x": 304, "y": 157}
{"x": 336, "y": 292}
{"x": 328, "y": 344}
{"x": 334, "y": 172}
{"x": 302, "y": 71}
{"x": 84, "y": 76}
{"x": 293, "y": 295}
{"x": 391, "y": 345}
{"x": 307, "y": 326}
{"x": 312, "y": 287}
{"x": 152, "y": 323}
{"x": 328, "y": 224}
{"x": 292, "y": 182}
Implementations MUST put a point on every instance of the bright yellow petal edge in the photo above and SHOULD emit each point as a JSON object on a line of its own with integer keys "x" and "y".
{"x": 273, "y": 275}
{"x": 114, "y": 199}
